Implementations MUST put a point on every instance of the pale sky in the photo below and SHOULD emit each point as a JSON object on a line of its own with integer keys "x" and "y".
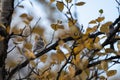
{"x": 90, "y": 10}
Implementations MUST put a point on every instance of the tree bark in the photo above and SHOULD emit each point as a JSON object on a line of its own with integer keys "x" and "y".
{"x": 6, "y": 7}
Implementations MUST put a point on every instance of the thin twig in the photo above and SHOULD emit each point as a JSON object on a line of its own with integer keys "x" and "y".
{"x": 11, "y": 49}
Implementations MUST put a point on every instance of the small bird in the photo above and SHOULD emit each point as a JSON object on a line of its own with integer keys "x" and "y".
{"x": 39, "y": 45}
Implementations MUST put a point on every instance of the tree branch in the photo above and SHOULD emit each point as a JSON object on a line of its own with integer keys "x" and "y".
{"x": 37, "y": 55}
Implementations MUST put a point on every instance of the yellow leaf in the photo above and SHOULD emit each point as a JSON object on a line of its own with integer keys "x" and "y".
{"x": 108, "y": 23}
{"x": 97, "y": 39}
{"x": 111, "y": 73}
{"x": 54, "y": 26}
{"x": 90, "y": 30}
{"x": 51, "y": 1}
{"x": 102, "y": 78}
{"x": 89, "y": 44}
{"x": 78, "y": 48}
{"x": 11, "y": 63}
{"x": 109, "y": 50}
{"x": 57, "y": 26}
{"x": 98, "y": 45}
{"x": 80, "y": 3}
{"x": 60, "y": 56}
{"x": 60, "y": 6}
{"x": 104, "y": 28}
{"x": 16, "y": 30}
{"x": 33, "y": 63}
{"x": 43, "y": 58}
{"x": 24, "y": 15}
{"x": 38, "y": 30}
{"x": 83, "y": 75}
{"x": 68, "y": 1}
{"x": 28, "y": 45}
{"x": 85, "y": 63}
{"x": 100, "y": 19}
{"x": 92, "y": 22}
{"x": 75, "y": 32}
{"x": 71, "y": 71}
{"x": 19, "y": 39}
{"x": 29, "y": 54}
{"x": 71, "y": 22}
{"x": 104, "y": 65}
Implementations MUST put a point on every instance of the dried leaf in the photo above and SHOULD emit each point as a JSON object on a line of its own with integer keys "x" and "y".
{"x": 68, "y": 1}
{"x": 109, "y": 50}
{"x": 24, "y": 15}
{"x": 100, "y": 19}
{"x": 60, "y": 6}
{"x": 104, "y": 65}
{"x": 92, "y": 22}
{"x": 111, "y": 73}
{"x": 102, "y": 78}
{"x": 71, "y": 71}
{"x": 57, "y": 26}
{"x": 28, "y": 45}
{"x": 43, "y": 58}
{"x": 80, "y": 3}
{"x": 29, "y": 54}
{"x": 105, "y": 27}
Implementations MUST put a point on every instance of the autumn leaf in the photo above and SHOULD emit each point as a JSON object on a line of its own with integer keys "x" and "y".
{"x": 29, "y": 54}
{"x": 60, "y": 56}
{"x": 98, "y": 45}
{"x": 52, "y": 0}
{"x": 111, "y": 73}
{"x": 71, "y": 71}
{"x": 109, "y": 50}
{"x": 57, "y": 26}
{"x": 105, "y": 27}
{"x": 79, "y": 3}
{"x": 11, "y": 63}
{"x": 24, "y": 15}
{"x": 16, "y": 30}
{"x": 100, "y": 19}
{"x": 28, "y": 45}
{"x": 71, "y": 22}
{"x": 104, "y": 65}
{"x": 43, "y": 58}
{"x": 92, "y": 22}
{"x": 60, "y": 6}
{"x": 78, "y": 48}
{"x": 68, "y": 1}
{"x": 38, "y": 30}
{"x": 102, "y": 78}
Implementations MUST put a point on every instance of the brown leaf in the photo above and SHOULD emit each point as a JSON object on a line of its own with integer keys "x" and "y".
{"x": 60, "y": 6}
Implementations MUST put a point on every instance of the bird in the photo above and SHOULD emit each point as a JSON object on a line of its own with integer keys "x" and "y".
{"x": 39, "y": 45}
